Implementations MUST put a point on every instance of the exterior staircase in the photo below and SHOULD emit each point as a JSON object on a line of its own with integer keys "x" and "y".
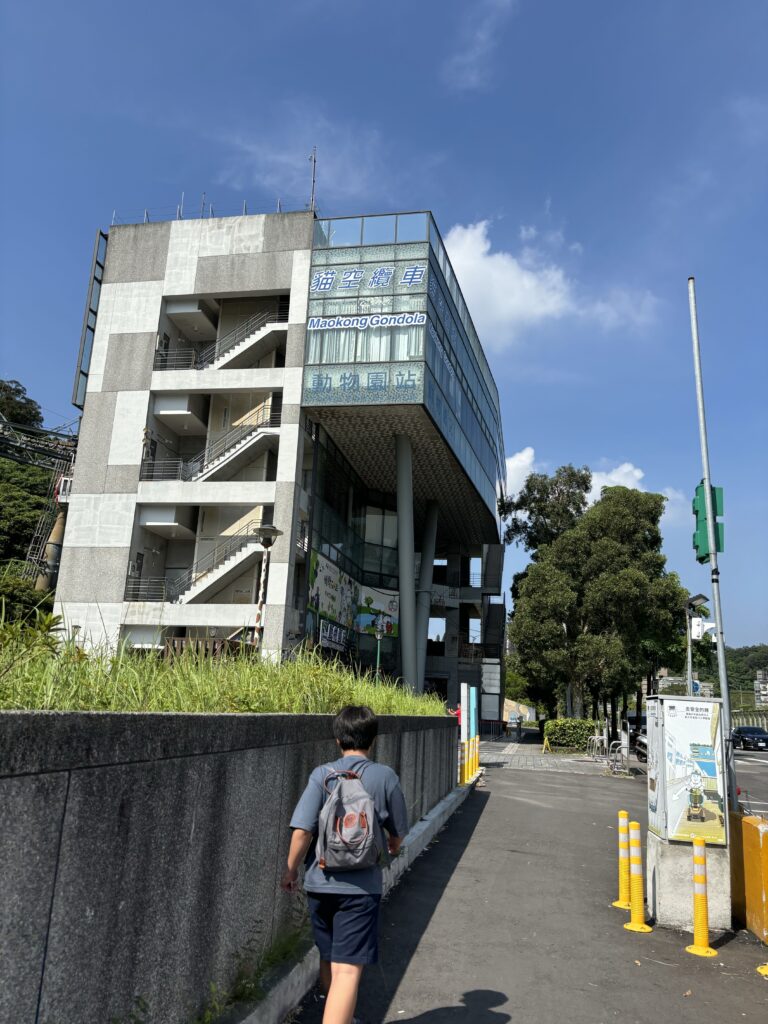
{"x": 228, "y": 452}
{"x": 231, "y": 556}
{"x": 236, "y": 349}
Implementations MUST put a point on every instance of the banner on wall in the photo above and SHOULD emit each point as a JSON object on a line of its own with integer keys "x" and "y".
{"x": 335, "y": 596}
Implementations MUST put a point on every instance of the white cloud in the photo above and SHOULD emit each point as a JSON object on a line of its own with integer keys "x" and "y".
{"x": 527, "y": 232}
{"x": 519, "y": 467}
{"x": 509, "y": 293}
{"x": 504, "y": 292}
{"x": 625, "y": 475}
{"x": 470, "y": 68}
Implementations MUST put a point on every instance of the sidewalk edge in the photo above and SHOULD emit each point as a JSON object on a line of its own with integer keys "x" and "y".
{"x": 294, "y": 986}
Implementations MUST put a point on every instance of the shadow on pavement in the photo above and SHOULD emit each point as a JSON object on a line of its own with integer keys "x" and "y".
{"x": 405, "y": 916}
{"x": 477, "y": 1009}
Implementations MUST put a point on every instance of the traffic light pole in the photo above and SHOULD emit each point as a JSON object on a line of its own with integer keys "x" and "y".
{"x": 712, "y": 539}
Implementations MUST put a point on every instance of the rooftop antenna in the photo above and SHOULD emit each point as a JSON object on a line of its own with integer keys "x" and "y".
{"x": 180, "y": 209}
{"x": 279, "y": 206}
{"x": 313, "y": 160}
{"x": 202, "y": 207}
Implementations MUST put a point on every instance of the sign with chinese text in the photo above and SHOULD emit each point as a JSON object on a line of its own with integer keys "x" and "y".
{"x": 364, "y": 384}
{"x": 348, "y": 280}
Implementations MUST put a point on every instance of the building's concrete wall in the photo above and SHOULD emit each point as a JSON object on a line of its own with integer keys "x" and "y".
{"x": 246, "y": 262}
{"x": 140, "y": 854}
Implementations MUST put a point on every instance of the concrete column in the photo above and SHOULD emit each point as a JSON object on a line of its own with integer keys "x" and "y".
{"x": 424, "y": 593}
{"x": 405, "y": 560}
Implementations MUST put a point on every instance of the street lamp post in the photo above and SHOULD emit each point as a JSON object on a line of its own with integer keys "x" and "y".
{"x": 712, "y": 542}
{"x": 690, "y": 606}
{"x": 267, "y": 535}
{"x": 379, "y": 631}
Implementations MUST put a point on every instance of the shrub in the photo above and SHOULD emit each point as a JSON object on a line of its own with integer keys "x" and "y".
{"x": 569, "y": 732}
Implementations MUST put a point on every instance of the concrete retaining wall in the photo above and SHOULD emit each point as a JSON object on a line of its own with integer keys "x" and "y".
{"x": 140, "y": 854}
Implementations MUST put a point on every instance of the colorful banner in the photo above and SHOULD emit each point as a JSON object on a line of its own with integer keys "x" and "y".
{"x": 338, "y": 599}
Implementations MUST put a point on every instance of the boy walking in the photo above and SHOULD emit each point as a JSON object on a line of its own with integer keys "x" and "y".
{"x": 344, "y": 904}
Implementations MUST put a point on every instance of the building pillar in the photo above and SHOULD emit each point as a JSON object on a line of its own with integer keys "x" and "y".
{"x": 405, "y": 561}
{"x": 424, "y": 593}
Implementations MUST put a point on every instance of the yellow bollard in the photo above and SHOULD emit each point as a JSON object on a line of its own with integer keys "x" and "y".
{"x": 701, "y": 946}
{"x": 636, "y": 922}
{"x": 623, "y": 902}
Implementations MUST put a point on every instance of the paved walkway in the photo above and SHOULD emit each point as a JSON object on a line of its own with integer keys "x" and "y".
{"x": 507, "y": 918}
{"x": 499, "y": 754}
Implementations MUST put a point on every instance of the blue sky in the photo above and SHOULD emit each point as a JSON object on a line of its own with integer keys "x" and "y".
{"x": 582, "y": 160}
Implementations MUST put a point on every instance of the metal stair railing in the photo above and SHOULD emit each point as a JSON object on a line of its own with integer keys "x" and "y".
{"x": 180, "y": 469}
{"x": 208, "y": 563}
{"x": 191, "y": 359}
{"x": 160, "y": 589}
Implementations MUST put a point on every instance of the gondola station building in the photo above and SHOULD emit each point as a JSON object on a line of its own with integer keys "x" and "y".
{"x": 289, "y": 431}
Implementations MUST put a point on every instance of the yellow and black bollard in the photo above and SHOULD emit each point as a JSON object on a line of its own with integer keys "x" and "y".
{"x": 623, "y": 902}
{"x": 636, "y": 921}
{"x": 701, "y": 946}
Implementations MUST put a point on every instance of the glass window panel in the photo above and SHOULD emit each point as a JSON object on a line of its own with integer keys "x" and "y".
{"x": 407, "y": 343}
{"x": 314, "y": 346}
{"x": 346, "y": 231}
{"x": 412, "y": 227}
{"x": 321, "y": 234}
{"x": 389, "y": 538}
{"x": 350, "y": 256}
{"x": 374, "y": 522}
{"x": 95, "y": 293}
{"x": 91, "y": 319}
{"x": 81, "y": 386}
{"x": 408, "y": 303}
{"x": 339, "y": 346}
{"x": 85, "y": 362}
{"x": 378, "y": 230}
{"x": 373, "y": 345}
{"x": 384, "y": 255}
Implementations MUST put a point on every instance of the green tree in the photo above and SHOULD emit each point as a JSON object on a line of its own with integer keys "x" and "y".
{"x": 16, "y": 405}
{"x": 23, "y": 489}
{"x": 545, "y": 507}
{"x": 19, "y": 599}
{"x": 597, "y": 603}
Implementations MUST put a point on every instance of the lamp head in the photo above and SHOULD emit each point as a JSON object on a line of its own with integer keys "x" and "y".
{"x": 697, "y": 600}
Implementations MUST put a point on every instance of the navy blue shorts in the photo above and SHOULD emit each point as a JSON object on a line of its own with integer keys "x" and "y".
{"x": 346, "y": 927}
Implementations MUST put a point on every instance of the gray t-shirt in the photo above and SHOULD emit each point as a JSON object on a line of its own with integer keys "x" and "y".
{"x": 383, "y": 785}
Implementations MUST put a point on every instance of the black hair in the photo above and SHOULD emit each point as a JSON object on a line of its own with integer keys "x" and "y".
{"x": 355, "y": 727}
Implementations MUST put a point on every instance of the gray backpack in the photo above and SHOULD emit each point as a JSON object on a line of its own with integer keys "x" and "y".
{"x": 349, "y": 835}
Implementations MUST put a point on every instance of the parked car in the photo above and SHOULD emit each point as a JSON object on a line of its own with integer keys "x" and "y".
{"x": 750, "y": 737}
{"x": 641, "y": 747}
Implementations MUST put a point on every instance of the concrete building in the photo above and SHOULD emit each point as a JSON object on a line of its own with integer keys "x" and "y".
{"x": 289, "y": 430}
{"x": 761, "y": 689}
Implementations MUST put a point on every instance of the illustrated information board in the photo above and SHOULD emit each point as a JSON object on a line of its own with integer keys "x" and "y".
{"x": 686, "y": 772}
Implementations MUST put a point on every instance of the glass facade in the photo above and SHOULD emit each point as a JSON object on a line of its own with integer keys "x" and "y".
{"x": 388, "y": 324}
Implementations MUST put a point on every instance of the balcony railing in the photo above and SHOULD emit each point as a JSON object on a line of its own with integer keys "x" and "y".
{"x": 190, "y": 469}
{"x": 192, "y": 359}
{"x": 172, "y": 590}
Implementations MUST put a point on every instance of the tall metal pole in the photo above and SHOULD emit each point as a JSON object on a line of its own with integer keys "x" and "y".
{"x": 313, "y": 158}
{"x": 712, "y": 542}
{"x": 688, "y": 652}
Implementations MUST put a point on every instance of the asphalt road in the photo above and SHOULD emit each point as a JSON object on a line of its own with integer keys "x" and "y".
{"x": 752, "y": 778}
{"x": 507, "y": 918}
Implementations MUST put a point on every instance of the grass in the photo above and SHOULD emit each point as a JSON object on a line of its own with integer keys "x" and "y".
{"x": 44, "y": 676}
